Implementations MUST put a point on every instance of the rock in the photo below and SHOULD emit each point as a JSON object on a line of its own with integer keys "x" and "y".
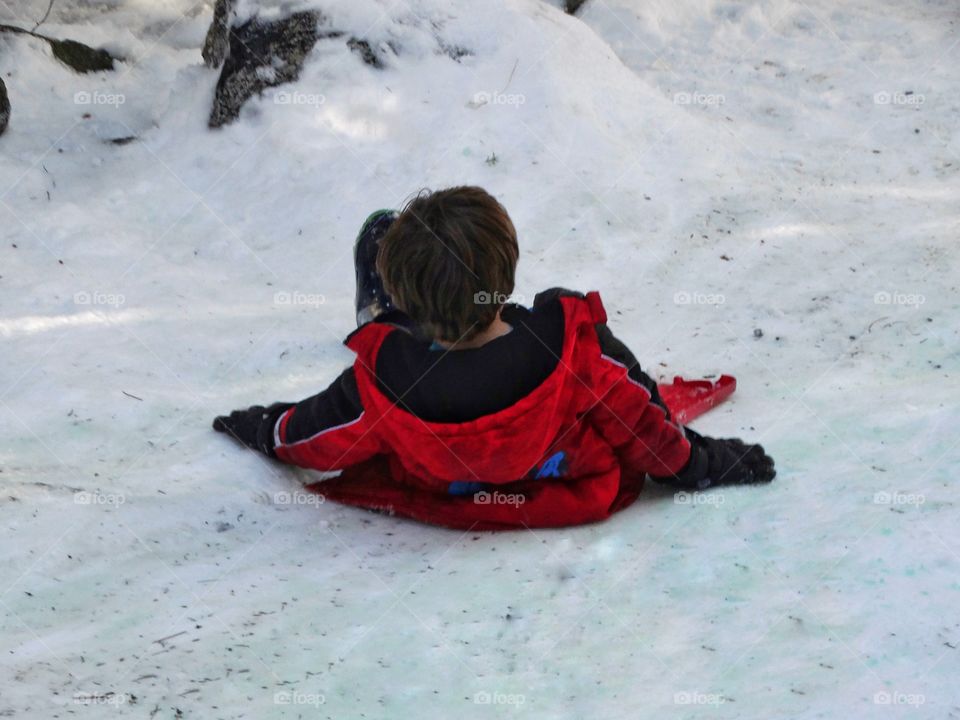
{"x": 217, "y": 43}
{"x": 366, "y": 53}
{"x": 454, "y": 52}
{"x": 75, "y": 55}
{"x": 4, "y": 107}
{"x": 80, "y": 57}
{"x": 571, "y": 6}
{"x": 262, "y": 54}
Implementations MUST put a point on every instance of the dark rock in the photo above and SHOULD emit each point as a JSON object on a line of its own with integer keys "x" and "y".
{"x": 572, "y": 6}
{"x": 80, "y": 57}
{"x": 4, "y": 107}
{"x": 366, "y": 53}
{"x": 217, "y": 43}
{"x": 454, "y": 52}
{"x": 262, "y": 54}
{"x": 75, "y": 55}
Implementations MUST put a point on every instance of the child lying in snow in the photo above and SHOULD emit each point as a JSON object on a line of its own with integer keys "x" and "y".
{"x": 464, "y": 411}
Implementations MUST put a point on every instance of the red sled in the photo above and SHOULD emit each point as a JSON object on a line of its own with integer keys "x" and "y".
{"x": 689, "y": 399}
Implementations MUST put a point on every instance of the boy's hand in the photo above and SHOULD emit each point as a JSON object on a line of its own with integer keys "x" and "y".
{"x": 733, "y": 462}
{"x": 254, "y": 426}
{"x": 719, "y": 461}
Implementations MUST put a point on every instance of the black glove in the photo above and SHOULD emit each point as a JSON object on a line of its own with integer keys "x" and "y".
{"x": 718, "y": 461}
{"x": 732, "y": 462}
{"x": 253, "y": 427}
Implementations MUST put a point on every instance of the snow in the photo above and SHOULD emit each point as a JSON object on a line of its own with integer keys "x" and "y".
{"x": 715, "y": 169}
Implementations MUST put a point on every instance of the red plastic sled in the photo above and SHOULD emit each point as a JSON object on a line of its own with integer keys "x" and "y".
{"x": 689, "y": 399}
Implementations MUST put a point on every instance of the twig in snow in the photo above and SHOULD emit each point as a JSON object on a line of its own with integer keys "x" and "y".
{"x": 45, "y": 16}
{"x": 162, "y": 640}
{"x": 132, "y": 396}
{"x": 509, "y": 79}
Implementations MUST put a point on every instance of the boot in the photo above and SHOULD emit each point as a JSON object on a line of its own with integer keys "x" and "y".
{"x": 371, "y": 299}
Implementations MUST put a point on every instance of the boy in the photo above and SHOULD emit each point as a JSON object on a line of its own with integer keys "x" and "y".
{"x": 468, "y": 412}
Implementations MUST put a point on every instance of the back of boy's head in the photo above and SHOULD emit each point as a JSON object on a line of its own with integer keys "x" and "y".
{"x": 449, "y": 261}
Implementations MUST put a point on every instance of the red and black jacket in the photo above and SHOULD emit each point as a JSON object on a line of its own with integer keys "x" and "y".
{"x": 552, "y": 424}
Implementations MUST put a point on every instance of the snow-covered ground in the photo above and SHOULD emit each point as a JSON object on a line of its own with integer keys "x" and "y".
{"x": 769, "y": 190}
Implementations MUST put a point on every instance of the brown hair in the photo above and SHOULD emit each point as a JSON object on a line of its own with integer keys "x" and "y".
{"x": 449, "y": 260}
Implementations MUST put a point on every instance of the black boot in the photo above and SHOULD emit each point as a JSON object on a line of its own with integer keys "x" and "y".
{"x": 371, "y": 300}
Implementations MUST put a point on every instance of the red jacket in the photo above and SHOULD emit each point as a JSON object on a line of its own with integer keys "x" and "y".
{"x": 575, "y": 450}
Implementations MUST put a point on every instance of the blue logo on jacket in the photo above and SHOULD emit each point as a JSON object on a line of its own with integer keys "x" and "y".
{"x": 553, "y": 467}
{"x": 466, "y": 487}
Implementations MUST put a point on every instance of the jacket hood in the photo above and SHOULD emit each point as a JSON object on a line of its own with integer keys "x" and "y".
{"x": 497, "y": 448}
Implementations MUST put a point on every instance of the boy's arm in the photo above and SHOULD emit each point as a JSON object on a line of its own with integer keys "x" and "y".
{"x": 657, "y": 442}
{"x": 636, "y": 422}
{"x": 641, "y": 432}
{"x": 328, "y": 431}
{"x": 639, "y": 429}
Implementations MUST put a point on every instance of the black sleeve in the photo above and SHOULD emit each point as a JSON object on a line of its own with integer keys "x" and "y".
{"x": 613, "y": 347}
{"x": 337, "y": 405}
